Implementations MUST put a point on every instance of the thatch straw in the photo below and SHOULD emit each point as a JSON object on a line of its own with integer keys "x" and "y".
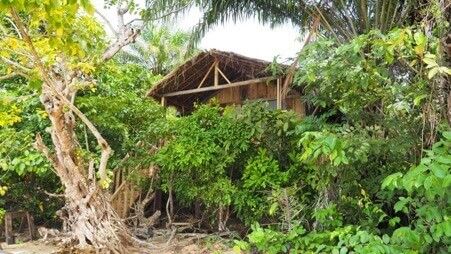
{"x": 190, "y": 74}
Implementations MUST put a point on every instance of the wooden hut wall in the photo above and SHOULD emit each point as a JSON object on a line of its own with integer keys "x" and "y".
{"x": 237, "y": 95}
{"x": 296, "y": 104}
{"x": 262, "y": 91}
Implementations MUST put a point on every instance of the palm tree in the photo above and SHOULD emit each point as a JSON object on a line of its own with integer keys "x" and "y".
{"x": 343, "y": 19}
{"x": 158, "y": 49}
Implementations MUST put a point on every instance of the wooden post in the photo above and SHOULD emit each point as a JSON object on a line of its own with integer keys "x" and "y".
{"x": 163, "y": 101}
{"x": 279, "y": 102}
{"x": 216, "y": 74}
{"x": 9, "y": 229}
{"x": 124, "y": 207}
{"x": 30, "y": 221}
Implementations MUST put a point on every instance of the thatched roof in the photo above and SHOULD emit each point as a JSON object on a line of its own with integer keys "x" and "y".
{"x": 190, "y": 74}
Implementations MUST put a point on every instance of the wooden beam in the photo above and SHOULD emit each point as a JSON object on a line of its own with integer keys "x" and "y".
{"x": 163, "y": 101}
{"x": 216, "y": 74}
{"x": 206, "y": 75}
{"x": 219, "y": 87}
{"x": 224, "y": 76}
{"x": 9, "y": 229}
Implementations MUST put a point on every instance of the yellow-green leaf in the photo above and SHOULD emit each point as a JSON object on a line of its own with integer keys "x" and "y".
{"x": 432, "y": 72}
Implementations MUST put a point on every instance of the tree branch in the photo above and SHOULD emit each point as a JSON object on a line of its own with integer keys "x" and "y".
{"x": 15, "y": 27}
{"x": 127, "y": 35}
{"x": 8, "y": 76}
{"x": 121, "y": 11}
{"x": 54, "y": 195}
{"x": 107, "y": 22}
{"x": 106, "y": 149}
{"x": 40, "y": 146}
{"x": 292, "y": 69}
{"x": 15, "y": 64}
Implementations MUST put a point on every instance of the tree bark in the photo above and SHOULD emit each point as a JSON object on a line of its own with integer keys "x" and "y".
{"x": 90, "y": 217}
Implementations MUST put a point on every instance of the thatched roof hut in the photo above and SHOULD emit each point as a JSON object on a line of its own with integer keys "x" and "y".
{"x": 229, "y": 77}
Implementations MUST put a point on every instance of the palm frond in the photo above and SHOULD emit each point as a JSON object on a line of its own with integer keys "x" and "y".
{"x": 343, "y": 19}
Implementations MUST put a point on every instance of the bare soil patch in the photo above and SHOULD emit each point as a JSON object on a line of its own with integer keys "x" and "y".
{"x": 178, "y": 244}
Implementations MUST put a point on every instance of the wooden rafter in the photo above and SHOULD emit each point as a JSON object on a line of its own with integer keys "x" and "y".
{"x": 224, "y": 76}
{"x": 206, "y": 75}
{"x": 216, "y": 73}
{"x": 219, "y": 87}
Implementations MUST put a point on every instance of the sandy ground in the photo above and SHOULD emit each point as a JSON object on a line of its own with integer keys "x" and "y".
{"x": 190, "y": 245}
{"x": 28, "y": 248}
{"x": 161, "y": 246}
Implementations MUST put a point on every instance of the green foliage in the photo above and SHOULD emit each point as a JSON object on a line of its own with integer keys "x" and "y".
{"x": 261, "y": 176}
{"x": 229, "y": 157}
{"x": 9, "y": 113}
{"x": 17, "y": 154}
{"x": 373, "y": 91}
{"x": 373, "y": 74}
{"x": 199, "y": 156}
{"x": 323, "y": 144}
{"x": 25, "y": 173}
{"x": 162, "y": 50}
{"x": 316, "y": 182}
{"x": 427, "y": 202}
{"x": 59, "y": 30}
{"x": 131, "y": 123}
{"x": 263, "y": 171}
{"x": 346, "y": 239}
{"x": 425, "y": 196}
{"x": 3, "y": 190}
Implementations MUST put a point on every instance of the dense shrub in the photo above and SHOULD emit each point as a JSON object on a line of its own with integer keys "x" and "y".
{"x": 427, "y": 203}
{"x": 314, "y": 184}
{"x": 229, "y": 156}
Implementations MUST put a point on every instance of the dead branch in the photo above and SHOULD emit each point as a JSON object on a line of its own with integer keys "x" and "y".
{"x": 149, "y": 197}
{"x": 54, "y": 195}
{"x": 173, "y": 231}
{"x": 152, "y": 220}
{"x": 292, "y": 69}
{"x": 14, "y": 26}
{"x": 170, "y": 205}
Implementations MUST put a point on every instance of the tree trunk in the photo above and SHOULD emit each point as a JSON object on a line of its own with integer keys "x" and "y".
{"x": 90, "y": 217}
